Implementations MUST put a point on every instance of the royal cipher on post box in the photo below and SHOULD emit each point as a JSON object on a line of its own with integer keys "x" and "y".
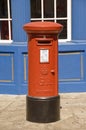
{"x": 43, "y": 100}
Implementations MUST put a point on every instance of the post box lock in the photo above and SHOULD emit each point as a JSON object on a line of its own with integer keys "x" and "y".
{"x": 52, "y": 71}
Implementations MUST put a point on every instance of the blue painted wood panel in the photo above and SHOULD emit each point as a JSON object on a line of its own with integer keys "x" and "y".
{"x": 71, "y": 66}
{"x": 6, "y": 67}
{"x": 11, "y": 69}
{"x": 20, "y": 16}
{"x": 78, "y": 19}
{"x": 79, "y": 57}
{"x": 25, "y": 67}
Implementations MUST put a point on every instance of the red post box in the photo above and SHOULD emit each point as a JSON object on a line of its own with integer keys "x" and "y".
{"x": 43, "y": 100}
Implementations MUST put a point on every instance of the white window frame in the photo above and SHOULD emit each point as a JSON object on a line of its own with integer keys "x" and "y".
{"x": 9, "y": 19}
{"x": 69, "y": 15}
{"x": 68, "y": 18}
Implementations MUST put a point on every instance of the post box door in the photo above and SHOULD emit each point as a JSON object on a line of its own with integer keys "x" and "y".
{"x": 48, "y": 68}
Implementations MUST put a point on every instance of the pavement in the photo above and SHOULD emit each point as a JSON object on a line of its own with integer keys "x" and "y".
{"x": 73, "y": 113}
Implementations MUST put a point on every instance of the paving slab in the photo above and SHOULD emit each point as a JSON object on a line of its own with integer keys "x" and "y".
{"x": 73, "y": 113}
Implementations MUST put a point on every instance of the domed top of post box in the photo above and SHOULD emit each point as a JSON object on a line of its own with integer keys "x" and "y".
{"x": 42, "y": 27}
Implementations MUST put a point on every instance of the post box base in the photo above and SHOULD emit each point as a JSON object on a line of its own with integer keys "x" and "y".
{"x": 43, "y": 110}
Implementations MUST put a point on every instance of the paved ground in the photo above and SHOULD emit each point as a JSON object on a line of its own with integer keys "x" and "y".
{"x": 73, "y": 113}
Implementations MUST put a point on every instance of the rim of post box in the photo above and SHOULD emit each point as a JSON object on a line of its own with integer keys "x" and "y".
{"x": 43, "y": 27}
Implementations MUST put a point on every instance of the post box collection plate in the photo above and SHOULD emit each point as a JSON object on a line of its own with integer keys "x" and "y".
{"x": 44, "y": 56}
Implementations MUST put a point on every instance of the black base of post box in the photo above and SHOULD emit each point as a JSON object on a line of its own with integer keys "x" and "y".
{"x": 43, "y": 110}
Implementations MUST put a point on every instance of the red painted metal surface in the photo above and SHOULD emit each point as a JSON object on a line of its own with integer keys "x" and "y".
{"x": 42, "y": 58}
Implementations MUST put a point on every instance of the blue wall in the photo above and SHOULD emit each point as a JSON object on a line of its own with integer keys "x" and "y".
{"x": 72, "y": 55}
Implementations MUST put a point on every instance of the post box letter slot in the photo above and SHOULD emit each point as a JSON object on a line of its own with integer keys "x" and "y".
{"x": 44, "y": 42}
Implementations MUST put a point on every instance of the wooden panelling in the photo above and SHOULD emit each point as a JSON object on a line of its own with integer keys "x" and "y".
{"x": 6, "y": 67}
{"x": 71, "y": 66}
{"x": 25, "y": 56}
{"x": 14, "y": 68}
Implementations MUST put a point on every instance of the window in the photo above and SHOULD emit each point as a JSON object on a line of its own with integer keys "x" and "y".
{"x": 53, "y": 10}
{"x": 5, "y": 20}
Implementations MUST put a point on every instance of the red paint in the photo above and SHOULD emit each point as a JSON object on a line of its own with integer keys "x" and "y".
{"x": 42, "y": 58}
